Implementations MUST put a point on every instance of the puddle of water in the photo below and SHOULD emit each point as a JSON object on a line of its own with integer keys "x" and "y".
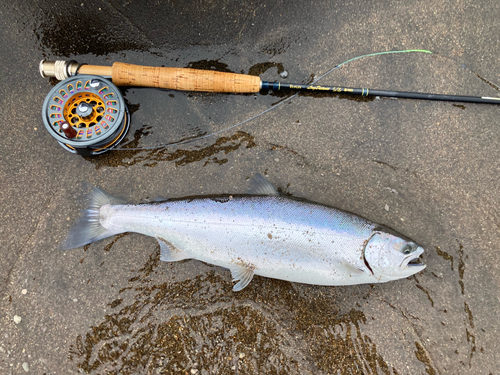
{"x": 261, "y": 68}
{"x": 210, "y": 65}
{"x": 278, "y": 46}
{"x": 301, "y": 157}
{"x": 421, "y": 355}
{"x": 486, "y": 81}
{"x": 344, "y": 348}
{"x": 426, "y": 292}
{"x": 89, "y": 30}
{"x": 461, "y": 268}
{"x": 469, "y": 323}
{"x": 445, "y": 255}
{"x": 201, "y": 324}
{"x": 219, "y": 340}
{"x": 469, "y": 319}
{"x": 150, "y": 158}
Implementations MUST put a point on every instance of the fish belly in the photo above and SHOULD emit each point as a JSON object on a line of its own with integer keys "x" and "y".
{"x": 276, "y": 237}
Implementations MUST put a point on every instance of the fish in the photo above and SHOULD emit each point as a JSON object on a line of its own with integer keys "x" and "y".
{"x": 260, "y": 233}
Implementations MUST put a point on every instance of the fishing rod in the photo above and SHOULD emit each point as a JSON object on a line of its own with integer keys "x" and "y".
{"x": 186, "y": 79}
{"x": 87, "y": 115}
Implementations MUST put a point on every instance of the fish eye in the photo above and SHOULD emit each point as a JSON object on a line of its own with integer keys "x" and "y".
{"x": 407, "y": 249}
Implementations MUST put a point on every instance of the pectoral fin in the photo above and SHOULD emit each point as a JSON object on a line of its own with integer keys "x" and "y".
{"x": 243, "y": 274}
{"x": 168, "y": 252}
{"x": 354, "y": 271}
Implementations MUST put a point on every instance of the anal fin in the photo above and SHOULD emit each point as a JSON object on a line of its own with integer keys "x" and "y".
{"x": 241, "y": 273}
{"x": 168, "y": 252}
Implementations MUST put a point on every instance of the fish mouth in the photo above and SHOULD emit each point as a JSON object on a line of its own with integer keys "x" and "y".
{"x": 412, "y": 260}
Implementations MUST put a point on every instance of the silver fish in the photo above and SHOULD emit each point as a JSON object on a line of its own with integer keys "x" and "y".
{"x": 262, "y": 233}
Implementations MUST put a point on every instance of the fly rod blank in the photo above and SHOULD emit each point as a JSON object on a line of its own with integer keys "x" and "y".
{"x": 186, "y": 79}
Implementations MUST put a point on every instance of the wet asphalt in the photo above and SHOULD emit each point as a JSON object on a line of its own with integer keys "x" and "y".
{"x": 428, "y": 170}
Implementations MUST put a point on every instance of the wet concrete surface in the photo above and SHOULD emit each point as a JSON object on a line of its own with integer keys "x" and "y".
{"x": 429, "y": 170}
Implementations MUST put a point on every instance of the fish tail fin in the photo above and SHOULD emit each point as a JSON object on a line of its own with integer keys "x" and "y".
{"x": 88, "y": 227}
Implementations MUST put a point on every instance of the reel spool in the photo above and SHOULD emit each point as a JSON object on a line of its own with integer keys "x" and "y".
{"x": 86, "y": 114}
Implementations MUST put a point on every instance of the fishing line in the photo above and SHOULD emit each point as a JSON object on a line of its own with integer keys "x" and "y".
{"x": 270, "y": 108}
{"x": 86, "y": 113}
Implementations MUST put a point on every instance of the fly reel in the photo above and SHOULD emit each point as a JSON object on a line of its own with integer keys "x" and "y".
{"x": 86, "y": 114}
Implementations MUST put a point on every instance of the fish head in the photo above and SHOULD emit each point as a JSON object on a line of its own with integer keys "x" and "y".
{"x": 389, "y": 256}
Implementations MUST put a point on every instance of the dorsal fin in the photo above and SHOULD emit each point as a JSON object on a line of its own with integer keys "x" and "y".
{"x": 260, "y": 186}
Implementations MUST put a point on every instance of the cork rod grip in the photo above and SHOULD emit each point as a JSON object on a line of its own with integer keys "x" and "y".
{"x": 183, "y": 79}
{"x": 95, "y": 70}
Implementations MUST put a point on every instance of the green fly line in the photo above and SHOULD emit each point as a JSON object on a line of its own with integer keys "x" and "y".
{"x": 274, "y": 106}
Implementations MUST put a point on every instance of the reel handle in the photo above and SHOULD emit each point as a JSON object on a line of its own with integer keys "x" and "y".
{"x": 149, "y": 76}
